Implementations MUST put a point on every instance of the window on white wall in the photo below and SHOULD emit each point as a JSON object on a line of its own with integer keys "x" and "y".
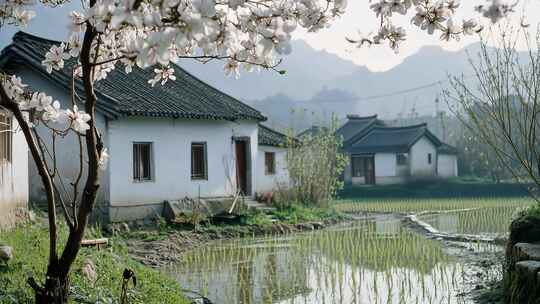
{"x": 429, "y": 158}
{"x": 269, "y": 163}
{"x": 6, "y": 140}
{"x": 199, "y": 162}
{"x": 401, "y": 159}
{"x": 142, "y": 161}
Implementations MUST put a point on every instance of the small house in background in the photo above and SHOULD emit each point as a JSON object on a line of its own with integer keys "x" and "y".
{"x": 185, "y": 139}
{"x": 273, "y": 158}
{"x": 381, "y": 154}
{"x": 13, "y": 171}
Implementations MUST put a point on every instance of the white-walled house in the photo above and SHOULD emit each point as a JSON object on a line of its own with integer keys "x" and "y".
{"x": 183, "y": 139}
{"x": 380, "y": 154}
{"x": 13, "y": 171}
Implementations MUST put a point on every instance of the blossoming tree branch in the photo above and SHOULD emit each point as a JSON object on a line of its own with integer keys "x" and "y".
{"x": 119, "y": 34}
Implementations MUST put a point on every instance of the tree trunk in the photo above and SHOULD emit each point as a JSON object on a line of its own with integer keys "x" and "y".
{"x": 55, "y": 290}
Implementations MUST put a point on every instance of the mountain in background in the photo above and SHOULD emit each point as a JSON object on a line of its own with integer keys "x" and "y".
{"x": 318, "y": 84}
{"x": 306, "y": 72}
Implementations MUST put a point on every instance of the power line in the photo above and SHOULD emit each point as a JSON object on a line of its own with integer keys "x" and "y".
{"x": 401, "y": 92}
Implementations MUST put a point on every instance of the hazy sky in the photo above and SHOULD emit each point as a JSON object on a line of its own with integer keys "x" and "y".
{"x": 360, "y": 18}
{"x": 51, "y": 23}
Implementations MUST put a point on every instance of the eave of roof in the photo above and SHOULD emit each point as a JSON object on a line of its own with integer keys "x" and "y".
{"x": 271, "y": 137}
{"x": 447, "y": 149}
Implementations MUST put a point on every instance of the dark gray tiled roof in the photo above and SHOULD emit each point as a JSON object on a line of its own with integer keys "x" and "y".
{"x": 391, "y": 139}
{"x": 269, "y": 137}
{"x": 354, "y": 125}
{"x": 122, "y": 94}
{"x": 447, "y": 149}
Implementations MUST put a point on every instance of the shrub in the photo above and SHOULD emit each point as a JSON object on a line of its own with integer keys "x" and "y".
{"x": 315, "y": 164}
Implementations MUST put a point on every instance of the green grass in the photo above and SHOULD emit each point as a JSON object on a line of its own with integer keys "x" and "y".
{"x": 454, "y": 188}
{"x": 30, "y": 244}
{"x": 407, "y": 205}
{"x": 295, "y": 214}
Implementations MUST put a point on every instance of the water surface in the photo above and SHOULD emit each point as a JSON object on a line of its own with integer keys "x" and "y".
{"x": 373, "y": 261}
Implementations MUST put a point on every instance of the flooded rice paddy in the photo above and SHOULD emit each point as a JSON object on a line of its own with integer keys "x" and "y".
{"x": 375, "y": 260}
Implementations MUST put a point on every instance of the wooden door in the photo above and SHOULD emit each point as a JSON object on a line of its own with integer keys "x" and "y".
{"x": 241, "y": 165}
{"x": 370, "y": 170}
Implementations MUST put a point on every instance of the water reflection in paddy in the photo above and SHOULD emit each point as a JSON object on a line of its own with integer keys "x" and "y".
{"x": 374, "y": 261}
{"x": 484, "y": 221}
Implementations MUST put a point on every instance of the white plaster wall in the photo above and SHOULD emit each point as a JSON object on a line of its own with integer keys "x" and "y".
{"x": 172, "y": 140}
{"x": 385, "y": 165}
{"x": 14, "y": 180}
{"x": 386, "y": 169}
{"x": 447, "y": 165}
{"x": 419, "y": 158}
{"x": 269, "y": 182}
{"x": 67, "y": 148}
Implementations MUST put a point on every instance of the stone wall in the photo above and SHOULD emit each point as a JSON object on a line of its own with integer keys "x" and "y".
{"x": 522, "y": 273}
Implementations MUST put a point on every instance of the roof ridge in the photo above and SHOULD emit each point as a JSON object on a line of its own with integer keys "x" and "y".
{"x": 417, "y": 126}
{"x": 23, "y": 34}
{"x": 358, "y": 117}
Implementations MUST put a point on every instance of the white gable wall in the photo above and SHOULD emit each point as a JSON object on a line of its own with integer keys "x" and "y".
{"x": 269, "y": 182}
{"x": 171, "y": 143}
{"x": 14, "y": 180}
{"x": 447, "y": 165}
{"x": 418, "y": 158}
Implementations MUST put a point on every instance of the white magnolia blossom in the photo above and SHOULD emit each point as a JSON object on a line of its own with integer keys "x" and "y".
{"x": 232, "y": 67}
{"x": 248, "y": 33}
{"x": 79, "y": 119}
{"x": 43, "y": 107}
{"x": 16, "y": 12}
{"x": 162, "y": 75}
{"x": 431, "y": 16}
{"x": 54, "y": 58}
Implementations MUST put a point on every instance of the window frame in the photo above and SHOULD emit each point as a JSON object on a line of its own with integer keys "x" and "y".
{"x": 404, "y": 157}
{"x": 141, "y": 178}
{"x": 273, "y": 159}
{"x": 6, "y": 137}
{"x": 204, "y": 176}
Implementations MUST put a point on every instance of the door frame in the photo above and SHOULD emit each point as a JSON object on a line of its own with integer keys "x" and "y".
{"x": 371, "y": 174}
{"x": 246, "y": 140}
{"x": 368, "y": 175}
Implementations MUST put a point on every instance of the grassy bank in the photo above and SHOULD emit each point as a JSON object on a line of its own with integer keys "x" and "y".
{"x": 295, "y": 214}
{"x": 30, "y": 244}
{"x": 453, "y": 188}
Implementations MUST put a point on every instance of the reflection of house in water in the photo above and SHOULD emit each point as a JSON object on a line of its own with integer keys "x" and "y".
{"x": 264, "y": 277}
